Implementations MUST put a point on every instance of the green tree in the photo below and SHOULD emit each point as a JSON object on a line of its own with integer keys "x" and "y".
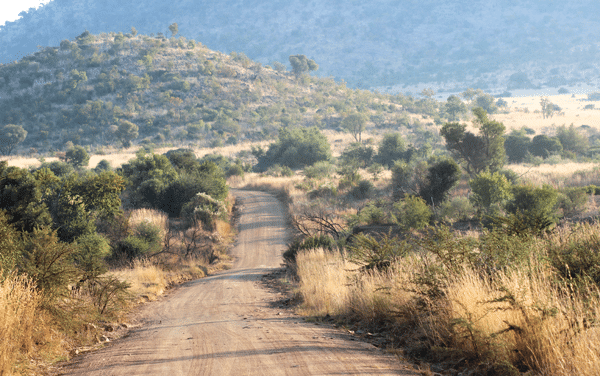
{"x": 301, "y": 64}
{"x": 454, "y": 108}
{"x": 10, "y": 247}
{"x": 489, "y": 192}
{"x": 296, "y": 148}
{"x": 21, "y": 197}
{"x": 10, "y": 136}
{"x": 77, "y": 78}
{"x": 534, "y": 206}
{"x": 355, "y": 124}
{"x": 127, "y": 132}
{"x": 487, "y": 102}
{"x": 391, "y": 148}
{"x": 572, "y": 140}
{"x": 358, "y": 154}
{"x": 147, "y": 177}
{"x": 174, "y": 28}
{"x": 477, "y": 152}
{"x": 544, "y": 146}
{"x": 77, "y": 156}
{"x": 517, "y": 145}
{"x": 441, "y": 177}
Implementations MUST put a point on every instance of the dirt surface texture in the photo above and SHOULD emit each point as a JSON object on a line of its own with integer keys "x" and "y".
{"x": 226, "y": 324}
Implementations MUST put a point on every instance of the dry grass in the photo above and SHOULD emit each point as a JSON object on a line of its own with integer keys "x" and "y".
{"x": 157, "y": 218}
{"x": 569, "y": 174}
{"x": 571, "y": 106}
{"x": 24, "y": 328}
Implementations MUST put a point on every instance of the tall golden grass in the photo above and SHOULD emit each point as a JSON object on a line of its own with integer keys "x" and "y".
{"x": 19, "y": 303}
{"x": 516, "y": 317}
{"x": 157, "y": 218}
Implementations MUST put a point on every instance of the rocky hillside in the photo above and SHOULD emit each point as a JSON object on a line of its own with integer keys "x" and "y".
{"x": 379, "y": 43}
{"x": 119, "y": 88}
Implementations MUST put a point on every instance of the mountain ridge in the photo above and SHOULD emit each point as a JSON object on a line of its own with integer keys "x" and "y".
{"x": 378, "y": 44}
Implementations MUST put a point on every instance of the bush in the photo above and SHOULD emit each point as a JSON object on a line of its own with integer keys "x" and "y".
{"x": 544, "y": 146}
{"x": 573, "y": 201}
{"x": 77, "y": 156}
{"x": 90, "y": 251}
{"x": 391, "y": 149}
{"x": 308, "y": 243}
{"x": 318, "y": 170}
{"x": 489, "y": 192}
{"x": 412, "y": 213}
{"x": 363, "y": 190}
{"x": 132, "y": 247}
{"x": 296, "y": 148}
{"x": 532, "y": 208}
{"x": 457, "y": 208}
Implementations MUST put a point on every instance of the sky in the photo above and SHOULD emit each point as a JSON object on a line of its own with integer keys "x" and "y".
{"x": 10, "y": 9}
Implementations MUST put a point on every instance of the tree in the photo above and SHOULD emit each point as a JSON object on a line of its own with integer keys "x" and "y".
{"x": 355, "y": 124}
{"x": 10, "y": 136}
{"x": 517, "y": 145}
{"x": 174, "y": 28}
{"x": 441, "y": 177}
{"x": 392, "y": 148}
{"x": 572, "y": 140}
{"x": 544, "y": 146}
{"x": 127, "y": 132}
{"x": 295, "y": 148}
{"x": 301, "y": 64}
{"x": 77, "y": 156}
{"x": 454, "y": 107}
{"x": 476, "y": 152}
{"x": 486, "y": 101}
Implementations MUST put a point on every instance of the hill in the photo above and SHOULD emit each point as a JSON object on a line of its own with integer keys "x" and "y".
{"x": 380, "y": 43}
{"x": 107, "y": 89}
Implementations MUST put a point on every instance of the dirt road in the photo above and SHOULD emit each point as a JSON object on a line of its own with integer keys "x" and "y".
{"x": 224, "y": 324}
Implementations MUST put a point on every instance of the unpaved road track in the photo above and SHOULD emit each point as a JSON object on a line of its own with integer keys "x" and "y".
{"x": 224, "y": 324}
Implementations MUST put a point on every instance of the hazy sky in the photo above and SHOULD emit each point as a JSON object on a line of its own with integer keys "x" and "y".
{"x": 10, "y": 9}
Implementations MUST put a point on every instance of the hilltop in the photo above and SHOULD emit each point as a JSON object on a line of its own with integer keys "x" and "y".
{"x": 113, "y": 89}
{"x": 380, "y": 43}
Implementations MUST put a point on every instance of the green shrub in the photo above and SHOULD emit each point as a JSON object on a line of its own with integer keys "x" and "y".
{"x": 572, "y": 201}
{"x": 412, "y": 213}
{"x": 296, "y": 148}
{"x": 90, "y": 251}
{"x": 376, "y": 254}
{"x": 132, "y": 247}
{"x": 307, "y": 243}
{"x": 150, "y": 233}
{"x": 319, "y": 170}
{"x": 489, "y": 192}
{"x": 534, "y": 207}
{"x": 457, "y": 208}
{"x": 441, "y": 177}
{"x": 363, "y": 190}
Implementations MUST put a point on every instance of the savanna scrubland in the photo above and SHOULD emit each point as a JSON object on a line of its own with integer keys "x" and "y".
{"x": 461, "y": 232}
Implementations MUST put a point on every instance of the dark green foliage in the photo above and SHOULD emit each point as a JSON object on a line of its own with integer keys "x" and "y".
{"x": 59, "y": 168}
{"x": 147, "y": 177}
{"x": 454, "y": 108}
{"x": 296, "y": 148}
{"x": 77, "y": 156}
{"x": 359, "y": 154}
{"x": 391, "y": 149}
{"x": 489, "y": 191}
{"x": 208, "y": 178}
{"x": 103, "y": 165}
{"x": 363, "y": 190}
{"x": 127, "y": 132}
{"x": 412, "y": 213}
{"x": 132, "y": 247}
{"x": 21, "y": 197}
{"x": 544, "y": 146}
{"x": 89, "y": 254}
{"x": 308, "y": 243}
{"x": 572, "y": 201}
{"x": 318, "y": 170}
{"x": 301, "y": 64}
{"x": 376, "y": 254}
{"x": 10, "y": 246}
{"x": 517, "y": 145}
{"x": 47, "y": 261}
{"x": 572, "y": 140}
{"x": 441, "y": 177}
{"x": 476, "y": 152}
{"x": 533, "y": 207}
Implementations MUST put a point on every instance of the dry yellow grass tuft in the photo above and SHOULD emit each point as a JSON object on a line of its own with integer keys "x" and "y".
{"x": 157, "y": 218}
{"x": 19, "y": 319}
